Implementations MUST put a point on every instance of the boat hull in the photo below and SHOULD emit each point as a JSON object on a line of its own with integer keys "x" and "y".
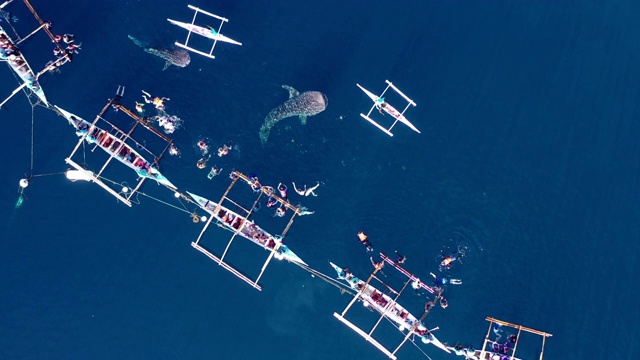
{"x": 202, "y": 31}
{"x": 232, "y": 221}
{"x": 386, "y": 306}
{"x": 20, "y": 66}
{"x": 118, "y": 149}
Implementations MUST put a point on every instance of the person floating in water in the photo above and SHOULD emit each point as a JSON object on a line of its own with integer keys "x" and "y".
{"x": 202, "y": 163}
{"x": 401, "y": 258}
{"x": 282, "y": 189}
{"x": 443, "y": 303}
{"x": 115, "y": 103}
{"x": 139, "y": 107}
{"x": 438, "y": 281}
{"x": 305, "y": 211}
{"x": 215, "y": 171}
{"x": 377, "y": 265}
{"x": 158, "y": 102}
{"x": 304, "y": 191}
{"x": 429, "y": 305}
{"x": 364, "y": 239}
{"x": 224, "y": 150}
{"x": 447, "y": 261}
{"x": 203, "y": 146}
{"x": 173, "y": 150}
{"x": 280, "y": 211}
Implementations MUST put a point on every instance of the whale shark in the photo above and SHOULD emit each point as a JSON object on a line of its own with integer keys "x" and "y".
{"x": 177, "y": 57}
{"x": 308, "y": 103}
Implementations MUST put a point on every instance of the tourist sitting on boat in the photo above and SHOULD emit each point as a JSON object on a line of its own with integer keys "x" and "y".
{"x": 344, "y": 274}
{"x": 364, "y": 239}
{"x": 304, "y": 191}
{"x": 438, "y": 281}
{"x": 282, "y": 189}
{"x": 401, "y": 258}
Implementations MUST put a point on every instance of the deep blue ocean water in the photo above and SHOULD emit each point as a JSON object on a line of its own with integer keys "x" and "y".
{"x": 527, "y": 161}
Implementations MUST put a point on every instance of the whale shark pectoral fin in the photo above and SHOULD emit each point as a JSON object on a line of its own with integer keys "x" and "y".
{"x": 303, "y": 119}
{"x": 136, "y": 41}
{"x": 166, "y": 65}
{"x": 292, "y": 92}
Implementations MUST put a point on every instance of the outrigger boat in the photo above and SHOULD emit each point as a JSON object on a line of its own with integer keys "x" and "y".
{"x": 234, "y": 222}
{"x": 16, "y": 61}
{"x": 493, "y": 350}
{"x": 388, "y": 307}
{"x": 207, "y": 32}
{"x": 9, "y": 52}
{"x": 239, "y": 224}
{"x": 381, "y": 104}
{"x": 116, "y": 143}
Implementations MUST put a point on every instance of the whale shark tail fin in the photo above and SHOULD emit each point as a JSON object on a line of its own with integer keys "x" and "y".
{"x": 303, "y": 119}
{"x": 137, "y": 42}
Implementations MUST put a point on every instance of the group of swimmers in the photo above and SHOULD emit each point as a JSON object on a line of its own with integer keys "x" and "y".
{"x": 69, "y": 40}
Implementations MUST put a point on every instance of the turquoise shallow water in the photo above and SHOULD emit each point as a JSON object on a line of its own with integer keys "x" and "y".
{"x": 527, "y": 160}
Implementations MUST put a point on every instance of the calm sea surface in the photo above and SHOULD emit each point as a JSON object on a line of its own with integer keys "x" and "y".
{"x": 528, "y": 163}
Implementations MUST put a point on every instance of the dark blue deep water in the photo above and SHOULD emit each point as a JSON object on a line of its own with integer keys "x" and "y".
{"x": 528, "y": 161}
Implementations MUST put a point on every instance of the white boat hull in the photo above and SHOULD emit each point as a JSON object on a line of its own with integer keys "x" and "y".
{"x": 21, "y": 67}
{"x": 202, "y": 31}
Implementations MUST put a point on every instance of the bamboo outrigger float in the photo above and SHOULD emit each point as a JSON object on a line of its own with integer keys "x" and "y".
{"x": 488, "y": 353}
{"x": 238, "y": 222}
{"x": 114, "y": 143}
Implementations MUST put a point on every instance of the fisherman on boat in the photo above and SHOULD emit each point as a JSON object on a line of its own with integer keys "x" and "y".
{"x": 305, "y": 191}
{"x": 438, "y": 281}
{"x": 364, "y": 239}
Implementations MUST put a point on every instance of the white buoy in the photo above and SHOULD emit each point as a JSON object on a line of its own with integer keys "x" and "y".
{"x": 365, "y": 303}
{"x": 24, "y": 183}
{"x": 125, "y": 189}
{"x": 203, "y": 218}
{"x": 401, "y": 327}
{"x": 176, "y": 194}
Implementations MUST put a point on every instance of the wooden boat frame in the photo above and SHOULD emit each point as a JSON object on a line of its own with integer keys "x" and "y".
{"x": 122, "y": 136}
{"x": 235, "y": 176}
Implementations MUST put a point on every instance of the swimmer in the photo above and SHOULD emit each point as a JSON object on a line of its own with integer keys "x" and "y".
{"x": 282, "y": 189}
{"x": 173, "y": 150}
{"x": 429, "y": 305}
{"x": 438, "y": 281}
{"x": 272, "y": 202}
{"x": 447, "y": 261}
{"x": 305, "y": 191}
{"x": 67, "y": 38}
{"x": 377, "y": 265}
{"x": 443, "y": 303}
{"x": 401, "y": 258}
{"x": 364, "y": 239}
{"x": 224, "y": 150}
{"x": 215, "y": 171}
{"x": 281, "y": 211}
{"x": 139, "y": 107}
{"x": 156, "y": 101}
{"x": 202, "y": 163}
{"x": 57, "y": 38}
{"x": 305, "y": 211}
{"x": 202, "y": 145}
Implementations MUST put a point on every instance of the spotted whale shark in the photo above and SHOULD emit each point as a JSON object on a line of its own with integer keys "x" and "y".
{"x": 173, "y": 56}
{"x": 304, "y": 104}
